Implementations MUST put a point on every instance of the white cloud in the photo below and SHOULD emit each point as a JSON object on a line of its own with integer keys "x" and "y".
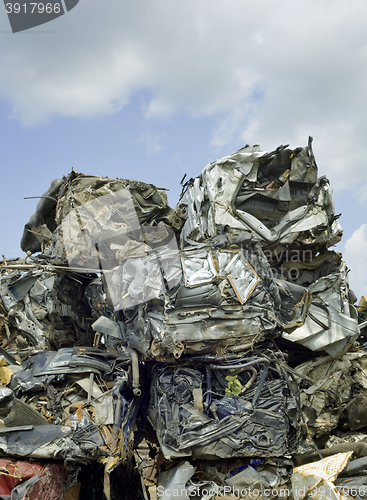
{"x": 267, "y": 72}
{"x": 151, "y": 141}
{"x": 355, "y": 256}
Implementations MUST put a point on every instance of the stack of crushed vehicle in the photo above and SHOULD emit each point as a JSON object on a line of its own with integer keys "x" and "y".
{"x": 211, "y": 351}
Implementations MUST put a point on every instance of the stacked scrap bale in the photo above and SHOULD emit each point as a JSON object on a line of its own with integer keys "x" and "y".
{"x": 210, "y": 343}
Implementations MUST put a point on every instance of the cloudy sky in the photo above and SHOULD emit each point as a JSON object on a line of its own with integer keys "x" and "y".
{"x": 154, "y": 89}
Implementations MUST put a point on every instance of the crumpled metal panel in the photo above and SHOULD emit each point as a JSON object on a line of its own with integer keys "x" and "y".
{"x": 58, "y": 412}
{"x": 34, "y": 239}
{"x": 269, "y": 197}
{"x": 68, "y": 194}
{"x": 203, "y": 268}
{"x": 226, "y": 298}
{"x": 51, "y": 484}
{"x": 94, "y": 209}
{"x": 332, "y": 322}
{"x": 337, "y": 384}
{"x": 110, "y": 233}
{"x": 13, "y": 473}
{"x": 206, "y": 420}
{"x": 46, "y": 308}
{"x": 175, "y": 480}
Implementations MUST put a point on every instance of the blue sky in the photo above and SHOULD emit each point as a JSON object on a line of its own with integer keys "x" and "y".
{"x": 154, "y": 89}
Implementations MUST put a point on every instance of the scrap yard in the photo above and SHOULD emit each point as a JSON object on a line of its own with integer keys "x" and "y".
{"x": 209, "y": 351}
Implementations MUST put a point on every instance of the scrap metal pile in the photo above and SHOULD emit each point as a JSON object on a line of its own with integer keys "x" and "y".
{"x": 211, "y": 351}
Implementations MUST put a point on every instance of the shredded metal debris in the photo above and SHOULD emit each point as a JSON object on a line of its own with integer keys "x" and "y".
{"x": 211, "y": 351}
